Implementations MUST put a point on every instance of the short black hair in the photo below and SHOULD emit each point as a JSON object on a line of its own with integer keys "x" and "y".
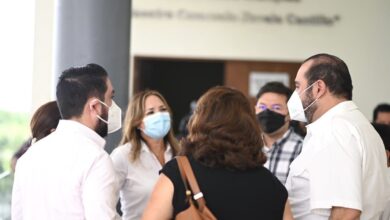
{"x": 383, "y": 107}
{"x": 333, "y": 71}
{"x": 275, "y": 87}
{"x": 76, "y": 85}
{"x": 384, "y": 132}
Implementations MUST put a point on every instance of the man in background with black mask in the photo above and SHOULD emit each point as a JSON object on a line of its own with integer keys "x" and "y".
{"x": 281, "y": 143}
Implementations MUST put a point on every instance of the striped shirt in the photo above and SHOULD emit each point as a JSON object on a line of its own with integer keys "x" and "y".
{"x": 282, "y": 153}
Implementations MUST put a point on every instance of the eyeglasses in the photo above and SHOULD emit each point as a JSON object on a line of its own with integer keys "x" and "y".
{"x": 274, "y": 107}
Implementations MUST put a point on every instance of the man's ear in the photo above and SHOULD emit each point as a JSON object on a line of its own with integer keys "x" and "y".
{"x": 320, "y": 89}
{"x": 93, "y": 106}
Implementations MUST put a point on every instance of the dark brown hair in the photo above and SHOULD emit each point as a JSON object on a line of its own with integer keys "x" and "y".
{"x": 275, "y": 87}
{"x": 134, "y": 117}
{"x": 223, "y": 132}
{"x": 44, "y": 120}
{"x": 333, "y": 71}
{"x": 383, "y": 107}
{"x": 76, "y": 85}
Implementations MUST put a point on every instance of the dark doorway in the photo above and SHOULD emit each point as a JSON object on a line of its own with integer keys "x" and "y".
{"x": 179, "y": 81}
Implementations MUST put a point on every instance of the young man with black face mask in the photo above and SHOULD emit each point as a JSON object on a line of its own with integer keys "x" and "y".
{"x": 281, "y": 143}
{"x": 67, "y": 174}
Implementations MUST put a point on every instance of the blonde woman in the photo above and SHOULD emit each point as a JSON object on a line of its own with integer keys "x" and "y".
{"x": 147, "y": 144}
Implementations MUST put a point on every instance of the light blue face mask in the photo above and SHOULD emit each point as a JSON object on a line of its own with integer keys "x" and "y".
{"x": 157, "y": 125}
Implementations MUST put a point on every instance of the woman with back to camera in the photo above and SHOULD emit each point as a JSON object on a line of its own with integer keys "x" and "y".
{"x": 224, "y": 149}
{"x": 147, "y": 144}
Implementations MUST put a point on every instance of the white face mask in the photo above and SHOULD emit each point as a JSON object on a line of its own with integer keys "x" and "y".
{"x": 295, "y": 107}
{"x": 114, "y": 121}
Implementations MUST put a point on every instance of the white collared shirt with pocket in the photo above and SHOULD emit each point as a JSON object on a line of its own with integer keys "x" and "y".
{"x": 342, "y": 164}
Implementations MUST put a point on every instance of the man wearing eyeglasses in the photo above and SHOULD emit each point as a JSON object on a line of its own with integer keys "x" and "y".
{"x": 282, "y": 143}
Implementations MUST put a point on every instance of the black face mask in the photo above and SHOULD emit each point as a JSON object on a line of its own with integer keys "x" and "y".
{"x": 270, "y": 121}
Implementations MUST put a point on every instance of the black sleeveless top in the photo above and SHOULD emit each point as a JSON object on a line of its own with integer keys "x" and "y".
{"x": 251, "y": 194}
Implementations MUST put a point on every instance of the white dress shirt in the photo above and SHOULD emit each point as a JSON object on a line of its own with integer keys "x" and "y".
{"x": 136, "y": 178}
{"x": 386, "y": 212}
{"x": 65, "y": 176}
{"x": 342, "y": 164}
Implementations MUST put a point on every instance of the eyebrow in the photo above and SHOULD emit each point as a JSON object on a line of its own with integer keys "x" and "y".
{"x": 161, "y": 106}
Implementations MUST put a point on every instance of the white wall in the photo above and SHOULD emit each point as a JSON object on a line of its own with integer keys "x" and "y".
{"x": 357, "y": 31}
{"x": 42, "y": 81}
{"x": 16, "y": 55}
{"x": 361, "y": 37}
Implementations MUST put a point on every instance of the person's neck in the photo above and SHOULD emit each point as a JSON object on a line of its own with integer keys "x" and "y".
{"x": 157, "y": 147}
{"x": 88, "y": 122}
{"x": 325, "y": 105}
{"x": 270, "y": 139}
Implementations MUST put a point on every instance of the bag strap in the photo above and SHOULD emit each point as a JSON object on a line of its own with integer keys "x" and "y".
{"x": 188, "y": 175}
{"x": 182, "y": 173}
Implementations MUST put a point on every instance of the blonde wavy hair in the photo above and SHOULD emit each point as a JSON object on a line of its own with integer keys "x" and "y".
{"x": 134, "y": 116}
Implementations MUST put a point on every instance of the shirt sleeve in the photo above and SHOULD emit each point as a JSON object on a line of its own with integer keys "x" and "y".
{"x": 99, "y": 188}
{"x": 336, "y": 173}
{"x": 16, "y": 206}
{"x": 121, "y": 163}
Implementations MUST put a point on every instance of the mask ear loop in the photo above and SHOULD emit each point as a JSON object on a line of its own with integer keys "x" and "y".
{"x": 98, "y": 116}
{"x": 105, "y": 121}
{"x": 308, "y": 87}
{"x": 310, "y": 104}
{"x": 314, "y": 99}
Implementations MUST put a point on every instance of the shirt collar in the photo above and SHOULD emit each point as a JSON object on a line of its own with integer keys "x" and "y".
{"x": 344, "y": 106}
{"x": 285, "y": 136}
{"x": 145, "y": 148}
{"x": 278, "y": 142}
{"x": 79, "y": 128}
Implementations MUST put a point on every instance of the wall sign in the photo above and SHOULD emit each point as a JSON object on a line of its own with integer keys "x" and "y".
{"x": 259, "y": 79}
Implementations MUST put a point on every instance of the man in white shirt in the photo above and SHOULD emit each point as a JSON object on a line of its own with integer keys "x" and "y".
{"x": 68, "y": 175}
{"x": 341, "y": 171}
